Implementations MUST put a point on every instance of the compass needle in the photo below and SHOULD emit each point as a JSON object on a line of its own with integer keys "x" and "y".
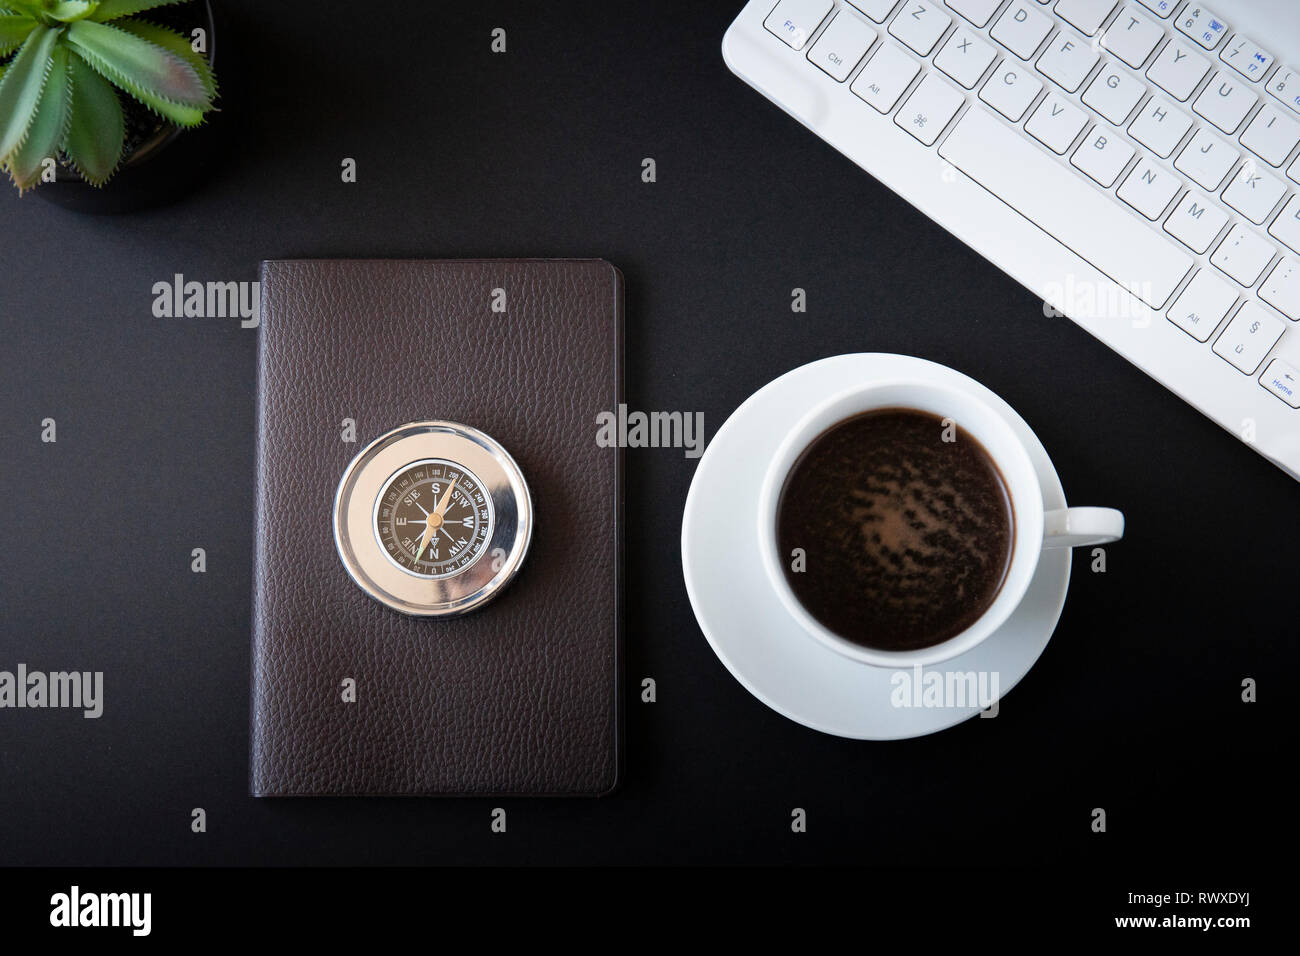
{"x": 424, "y": 541}
{"x": 446, "y": 498}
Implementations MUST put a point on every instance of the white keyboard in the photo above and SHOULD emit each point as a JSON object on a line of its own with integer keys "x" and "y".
{"x": 1156, "y": 141}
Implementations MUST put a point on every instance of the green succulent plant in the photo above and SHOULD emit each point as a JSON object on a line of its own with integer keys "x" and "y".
{"x": 62, "y": 63}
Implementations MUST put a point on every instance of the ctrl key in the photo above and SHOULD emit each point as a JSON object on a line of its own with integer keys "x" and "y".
{"x": 1283, "y": 380}
{"x": 842, "y": 46}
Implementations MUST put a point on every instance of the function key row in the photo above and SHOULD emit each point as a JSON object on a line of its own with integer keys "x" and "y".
{"x": 1022, "y": 28}
{"x": 1132, "y": 38}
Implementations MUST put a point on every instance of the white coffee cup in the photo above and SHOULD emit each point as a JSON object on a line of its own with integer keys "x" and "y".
{"x": 1034, "y": 528}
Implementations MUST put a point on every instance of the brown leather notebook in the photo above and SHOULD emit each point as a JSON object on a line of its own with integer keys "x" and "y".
{"x": 521, "y": 696}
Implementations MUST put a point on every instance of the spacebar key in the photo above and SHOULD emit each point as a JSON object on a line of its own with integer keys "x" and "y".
{"x": 1093, "y": 226}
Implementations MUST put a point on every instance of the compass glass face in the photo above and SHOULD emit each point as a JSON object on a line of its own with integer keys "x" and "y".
{"x": 433, "y": 518}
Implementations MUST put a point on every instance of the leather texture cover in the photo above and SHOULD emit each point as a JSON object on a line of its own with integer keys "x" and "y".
{"x": 520, "y": 697}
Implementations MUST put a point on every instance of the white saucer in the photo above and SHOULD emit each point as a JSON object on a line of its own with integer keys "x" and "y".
{"x": 755, "y": 637}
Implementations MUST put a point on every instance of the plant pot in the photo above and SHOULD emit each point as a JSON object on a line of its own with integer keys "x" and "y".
{"x": 163, "y": 162}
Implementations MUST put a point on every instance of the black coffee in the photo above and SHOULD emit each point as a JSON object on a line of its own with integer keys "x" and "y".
{"x": 906, "y": 537}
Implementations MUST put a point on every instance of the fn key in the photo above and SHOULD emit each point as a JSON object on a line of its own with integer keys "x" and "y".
{"x": 929, "y": 109}
{"x": 794, "y": 21}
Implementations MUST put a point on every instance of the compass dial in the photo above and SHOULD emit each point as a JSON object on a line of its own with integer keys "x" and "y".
{"x": 433, "y": 518}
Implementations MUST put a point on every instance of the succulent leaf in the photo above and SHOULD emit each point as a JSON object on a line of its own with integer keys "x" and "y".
{"x": 112, "y": 9}
{"x": 96, "y": 134}
{"x": 70, "y": 10}
{"x": 29, "y": 7}
{"x": 20, "y": 90}
{"x": 156, "y": 77}
{"x": 49, "y": 125}
{"x": 172, "y": 42}
{"x": 14, "y": 29}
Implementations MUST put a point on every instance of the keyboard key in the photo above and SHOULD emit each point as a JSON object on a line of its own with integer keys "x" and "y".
{"x": 1246, "y": 57}
{"x": 1011, "y": 89}
{"x": 1202, "y": 305}
{"x": 976, "y": 11}
{"x": 1285, "y": 86}
{"x": 1281, "y": 289}
{"x": 1161, "y": 8}
{"x": 1254, "y": 193}
{"x": 1021, "y": 28}
{"x": 1271, "y": 135}
{"x": 920, "y": 24}
{"x": 1207, "y": 159}
{"x": 1067, "y": 60}
{"x": 1249, "y": 337}
{"x": 1201, "y": 25}
{"x": 1086, "y": 16}
{"x": 1149, "y": 189}
{"x": 1196, "y": 222}
{"x": 929, "y": 109}
{"x": 965, "y": 57}
{"x": 1132, "y": 37}
{"x": 885, "y": 76}
{"x": 1286, "y": 227}
{"x": 1226, "y": 101}
{"x": 1113, "y": 94}
{"x": 1066, "y": 207}
{"x": 1103, "y": 155}
{"x": 878, "y": 10}
{"x": 1243, "y": 255}
{"x": 1056, "y": 123}
{"x": 1160, "y": 126}
{"x": 794, "y": 21}
{"x": 1283, "y": 380}
{"x": 1294, "y": 172}
{"x": 842, "y": 45}
{"x": 1178, "y": 70}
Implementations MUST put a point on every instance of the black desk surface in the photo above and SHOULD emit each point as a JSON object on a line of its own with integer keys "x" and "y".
{"x": 1134, "y": 707}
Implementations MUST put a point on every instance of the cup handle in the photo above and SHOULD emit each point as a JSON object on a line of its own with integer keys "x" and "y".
{"x": 1077, "y": 527}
